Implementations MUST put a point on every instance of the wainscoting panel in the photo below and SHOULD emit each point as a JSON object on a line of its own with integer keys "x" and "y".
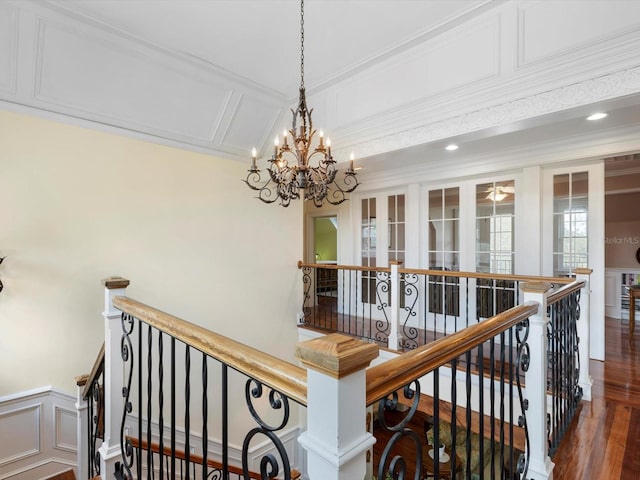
{"x": 42, "y": 434}
{"x": 24, "y": 424}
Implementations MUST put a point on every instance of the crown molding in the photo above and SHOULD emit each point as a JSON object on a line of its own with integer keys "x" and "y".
{"x": 606, "y": 87}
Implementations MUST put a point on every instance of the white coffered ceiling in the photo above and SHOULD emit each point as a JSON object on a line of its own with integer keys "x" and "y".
{"x": 393, "y": 80}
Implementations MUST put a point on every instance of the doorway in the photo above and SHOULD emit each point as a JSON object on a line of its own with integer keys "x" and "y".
{"x": 622, "y": 234}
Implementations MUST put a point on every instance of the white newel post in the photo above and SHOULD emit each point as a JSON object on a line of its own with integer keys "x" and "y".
{"x": 540, "y": 465}
{"x": 82, "y": 427}
{"x": 113, "y": 377}
{"x": 583, "y": 326}
{"x": 336, "y": 439}
{"x": 395, "y": 337}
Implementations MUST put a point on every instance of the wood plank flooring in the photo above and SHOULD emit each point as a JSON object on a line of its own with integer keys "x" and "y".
{"x": 603, "y": 442}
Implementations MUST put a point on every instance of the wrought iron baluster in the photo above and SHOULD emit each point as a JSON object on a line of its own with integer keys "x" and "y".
{"x": 502, "y": 395}
{"x": 161, "y": 403}
{"x": 173, "y": 408}
{"x": 225, "y": 420}
{"x": 469, "y": 408}
{"x": 481, "y": 402}
{"x": 436, "y": 422}
{"x": 454, "y": 416}
{"x": 382, "y": 286}
{"x": 492, "y": 399}
{"x": 396, "y": 465}
{"x": 522, "y": 360}
{"x": 140, "y": 399}
{"x": 187, "y": 411}
{"x": 411, "y": 288}
{"x": 205, "y": 417}
{"x": 269, "y": 465}
{"x": 123, "y": 469}
{"x": 149, "y": 401}
{"x": 511, "y": 384}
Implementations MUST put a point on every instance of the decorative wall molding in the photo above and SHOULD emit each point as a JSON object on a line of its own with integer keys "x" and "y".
{"x": 410, "y": 95}
{"x": 25, "y": 419}
{"x": 9, "y": 18}
{"x": 64, "y": 437}
{"x": 607, "y": 87}
{"x": 42, "y": 443}
{"x": 537, "y": 19}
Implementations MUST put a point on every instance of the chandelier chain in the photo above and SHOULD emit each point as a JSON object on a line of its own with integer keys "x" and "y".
{"x": 302, "y": 44}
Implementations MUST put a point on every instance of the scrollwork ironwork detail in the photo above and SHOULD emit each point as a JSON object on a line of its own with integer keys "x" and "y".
{"x": 126, "y": 349}
{"x": 411, "y": 290}
{"x": 397, "y": 465}
{"x": 383, "y": 287}
{"x": 306, "y": 282}
{"x": 269, "y": 465}
{"x": 522, "y": 365}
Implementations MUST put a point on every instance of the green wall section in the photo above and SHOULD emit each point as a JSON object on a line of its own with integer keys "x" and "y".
{"x": 326, "y": 239}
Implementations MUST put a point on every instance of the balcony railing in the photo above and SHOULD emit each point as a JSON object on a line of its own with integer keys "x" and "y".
{"x": 177, "y": 397}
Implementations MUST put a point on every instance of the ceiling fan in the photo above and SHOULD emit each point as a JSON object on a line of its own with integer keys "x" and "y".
{"x": 499, "y": 192}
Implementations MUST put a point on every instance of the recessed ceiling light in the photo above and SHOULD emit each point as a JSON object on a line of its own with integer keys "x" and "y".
{"x": 597, "y": 116}
{"x": 451, "y": 147}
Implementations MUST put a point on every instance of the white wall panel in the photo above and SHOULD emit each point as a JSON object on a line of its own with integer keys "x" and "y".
{"x": 461, "y": 57}
{"x": 8, "y": 47}
{"x": 79, "y": 71}
{"x": 548, "y": 29}
{"x": 253, "y": 119}
{"x": 23, "y": 423}
{"x": 37, "y": 434}
{"x": 64, "y": 429}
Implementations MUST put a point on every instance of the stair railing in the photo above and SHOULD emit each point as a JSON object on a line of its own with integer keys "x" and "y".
{"x": 403, "y": 308}
{"x": 179, "y": 390}
{"x": 488, "y": 365}
{"x": 90, "y": 407}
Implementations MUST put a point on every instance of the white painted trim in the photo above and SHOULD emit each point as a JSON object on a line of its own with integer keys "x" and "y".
{"x": 37, "y": 448}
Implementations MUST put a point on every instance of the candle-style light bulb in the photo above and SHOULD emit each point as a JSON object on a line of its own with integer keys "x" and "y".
{"x": 321, "y": 138}
{"x": 254, "y": 154}
{"x": 276, "y": 142}
{"x": 351, "y": 162}
{"x": 284, "y": 137}
{"x": 329, "y": 147}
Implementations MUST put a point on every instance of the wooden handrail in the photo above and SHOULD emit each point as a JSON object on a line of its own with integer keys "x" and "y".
{"x": 394, "y": 374}
{"x": 96, "y": 371}
{"x": 488, "y": 276}
{"x": 564, "y": 291}
{"x": 283, "y": 376}
{"x": 331, "y": 266}
{"x": 444, "y": 273}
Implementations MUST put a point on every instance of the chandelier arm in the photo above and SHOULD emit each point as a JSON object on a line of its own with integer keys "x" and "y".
{"x": 266, "y": 192}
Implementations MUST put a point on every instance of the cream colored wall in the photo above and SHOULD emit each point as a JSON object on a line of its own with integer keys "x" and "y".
{"x": 77, "y": 205}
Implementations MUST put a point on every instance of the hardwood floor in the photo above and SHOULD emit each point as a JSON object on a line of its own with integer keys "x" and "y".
{"x": 603, "y": 441}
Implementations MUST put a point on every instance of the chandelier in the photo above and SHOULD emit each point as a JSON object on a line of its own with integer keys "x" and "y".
{"x": 315, "y": 181}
